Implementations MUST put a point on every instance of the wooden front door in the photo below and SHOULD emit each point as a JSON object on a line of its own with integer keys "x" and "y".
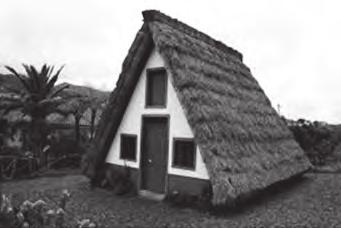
{"x": 154, "y": 152}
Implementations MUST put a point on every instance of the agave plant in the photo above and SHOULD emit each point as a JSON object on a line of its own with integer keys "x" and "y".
{"x": 38, "y": 98}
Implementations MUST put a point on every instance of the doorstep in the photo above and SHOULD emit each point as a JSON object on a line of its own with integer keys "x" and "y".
{"x": 152, "y": 195}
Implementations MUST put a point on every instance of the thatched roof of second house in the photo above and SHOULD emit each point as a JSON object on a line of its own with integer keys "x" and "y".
{"x": 245, "y": 144}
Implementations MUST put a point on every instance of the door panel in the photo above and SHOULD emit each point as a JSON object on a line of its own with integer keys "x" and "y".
{"x": 154, "y": 153}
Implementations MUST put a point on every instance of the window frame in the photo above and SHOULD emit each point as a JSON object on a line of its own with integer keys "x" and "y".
{"x": 121, "y": 147}
{"x": 150, "y": 71}
{"x": 182, "y": 139}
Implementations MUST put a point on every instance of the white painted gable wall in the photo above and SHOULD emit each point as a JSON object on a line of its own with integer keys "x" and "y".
{"x": 132, "y": 119}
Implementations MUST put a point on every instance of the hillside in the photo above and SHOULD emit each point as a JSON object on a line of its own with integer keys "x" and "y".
{"x": 7, "y": 83}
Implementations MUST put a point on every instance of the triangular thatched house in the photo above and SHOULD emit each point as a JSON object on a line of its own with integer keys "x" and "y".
{"x": 187, "y": 115}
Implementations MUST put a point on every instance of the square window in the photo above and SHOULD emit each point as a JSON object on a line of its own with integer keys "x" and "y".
{"x": 128, "y": 147}
{"x": 156, "y": 88}
{"x": 184, "y": 153}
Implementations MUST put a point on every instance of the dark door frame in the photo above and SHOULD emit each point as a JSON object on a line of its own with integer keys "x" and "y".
{"x": 167, "y": 117}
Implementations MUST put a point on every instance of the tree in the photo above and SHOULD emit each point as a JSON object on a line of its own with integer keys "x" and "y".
{"x": 317, "y": 139}
{"x": 76, "y": 107}
{"x": 87, "y": 100}
{"x": 96, "y": 103}
{"x": 37, "y": 99}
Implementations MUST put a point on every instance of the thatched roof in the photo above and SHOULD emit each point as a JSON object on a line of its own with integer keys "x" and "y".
{"x": 245, "y": 145}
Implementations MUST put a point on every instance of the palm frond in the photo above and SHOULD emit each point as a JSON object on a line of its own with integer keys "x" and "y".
{"x": 12, "y": 70}
{"x": 51, "y": 83}
{"x": 44, "y": 74}
{"x": 44, "y": 70}
{"x": 50, "y": 71}
{"x": 60, "y": 69}
{"x": 53, "y": 80}
{"x": 55, "y": 93}
{"x": 21, "y": 78}
{"x": 31, "y": 78}
{"x": 37, "y": 77}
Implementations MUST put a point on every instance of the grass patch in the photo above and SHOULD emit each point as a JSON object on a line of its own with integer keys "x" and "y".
{"x": 313, "y": 202}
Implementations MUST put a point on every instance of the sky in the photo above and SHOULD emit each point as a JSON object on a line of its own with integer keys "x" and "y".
{"x": 292, "y": 47}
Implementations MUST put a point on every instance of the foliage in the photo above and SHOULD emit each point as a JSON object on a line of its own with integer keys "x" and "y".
{"x": 3, "y": 129}
{"x": 67, "y": 152}
{"x": 38, "y": 99}
{"x": 317, "y": 139}
{"x": 86, "y": 100}
{"x": 15, "y": 166}
{"x": 96, "y": 104}
{"x": 76, "y": 107}
{"x": 31, "y": 97}
{"x": 119, "y": 180}
{"x": 38, "y": 214}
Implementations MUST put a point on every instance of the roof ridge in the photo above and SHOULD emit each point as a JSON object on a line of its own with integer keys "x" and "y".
{"x": 156, "y": 15}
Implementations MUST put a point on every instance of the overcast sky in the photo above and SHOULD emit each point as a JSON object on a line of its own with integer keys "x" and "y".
{"x": 292, "y": 47}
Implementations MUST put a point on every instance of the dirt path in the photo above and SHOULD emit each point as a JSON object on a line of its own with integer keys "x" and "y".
{"x": 314, "y": 202}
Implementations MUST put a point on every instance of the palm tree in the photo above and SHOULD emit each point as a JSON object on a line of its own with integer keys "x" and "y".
{"x": 38, "y": 98}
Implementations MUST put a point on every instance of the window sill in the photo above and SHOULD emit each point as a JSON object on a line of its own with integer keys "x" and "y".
{"x": 184, "y": 168}
{"x": 155, "y": 106}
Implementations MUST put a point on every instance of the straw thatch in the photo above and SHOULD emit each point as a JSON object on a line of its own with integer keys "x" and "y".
{"x": 245, "y": 145}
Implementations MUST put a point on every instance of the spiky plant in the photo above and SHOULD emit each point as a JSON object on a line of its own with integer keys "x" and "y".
{"x": 38, "y": 98}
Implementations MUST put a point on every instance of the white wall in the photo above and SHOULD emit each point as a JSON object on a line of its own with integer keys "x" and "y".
{"x": 131, "y": 123}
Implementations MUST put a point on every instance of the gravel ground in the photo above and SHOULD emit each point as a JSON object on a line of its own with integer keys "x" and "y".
{"x": 315, "y": 201}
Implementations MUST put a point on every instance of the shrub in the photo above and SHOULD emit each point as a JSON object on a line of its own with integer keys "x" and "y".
{"x": 38, "y": 214}
{"x": 119, "y": 180}
{"x": 317, "y": 139}
{"x": 66, "y": 153}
